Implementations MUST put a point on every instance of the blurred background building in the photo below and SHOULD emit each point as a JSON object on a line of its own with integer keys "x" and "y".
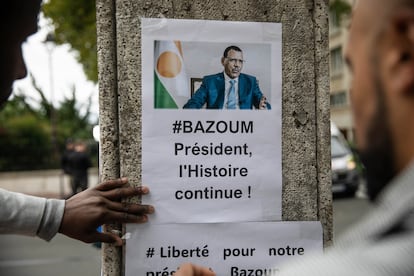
{"x": 341, "y": 114}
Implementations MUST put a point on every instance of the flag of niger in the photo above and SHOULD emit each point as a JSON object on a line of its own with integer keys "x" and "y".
{"x": 171, "y": 85}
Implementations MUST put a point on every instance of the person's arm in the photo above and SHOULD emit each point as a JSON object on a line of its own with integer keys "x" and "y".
{"x": 28, "y": 215}
{"x": 78, "y": 217}
{"x": 193, "y": 270}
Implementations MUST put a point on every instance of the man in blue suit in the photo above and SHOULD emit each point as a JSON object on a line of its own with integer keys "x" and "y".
{"x": 230, "y": 89}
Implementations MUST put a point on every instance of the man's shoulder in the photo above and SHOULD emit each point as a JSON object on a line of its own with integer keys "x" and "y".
{"x": 247, "y": 76}
{"x": 213, "y": 77}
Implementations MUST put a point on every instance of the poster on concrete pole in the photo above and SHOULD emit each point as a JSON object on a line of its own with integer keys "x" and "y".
{"x": 211, "y": 147}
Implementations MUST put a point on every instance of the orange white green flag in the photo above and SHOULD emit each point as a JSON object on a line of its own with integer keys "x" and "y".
{"x": 171, "y": 85}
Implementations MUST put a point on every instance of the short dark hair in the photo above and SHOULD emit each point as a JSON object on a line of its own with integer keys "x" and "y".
{"x": 232, "y": 47}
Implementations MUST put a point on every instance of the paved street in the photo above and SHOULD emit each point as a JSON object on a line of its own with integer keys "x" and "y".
{"x": 24, "y": 256}
{"x": 347, "y": 211}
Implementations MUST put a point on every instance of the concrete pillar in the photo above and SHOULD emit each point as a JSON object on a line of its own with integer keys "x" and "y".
{"x": 108, "y": 117}
{"x": 305, "y": 100}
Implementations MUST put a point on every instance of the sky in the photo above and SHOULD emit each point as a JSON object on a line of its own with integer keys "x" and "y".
{"x": 66, "y": 71}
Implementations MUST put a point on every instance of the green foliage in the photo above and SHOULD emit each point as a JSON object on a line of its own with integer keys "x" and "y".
{"x": 14, "y": 108}
{"x": 71, "y": 122}
{"x": 340, "y": 8}
{"x": 24, "y": 139}
{"x": 75, "y": 23}
{"x": 27, "y": 139}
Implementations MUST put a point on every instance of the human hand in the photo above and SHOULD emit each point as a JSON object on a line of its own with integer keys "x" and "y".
{"x": 263, "y": 103}
{"x": 86, "y": 211}
{"x": 193, "y": 270}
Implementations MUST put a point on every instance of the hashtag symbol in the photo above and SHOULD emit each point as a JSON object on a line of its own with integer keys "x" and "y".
{"x": 150, "y": 252}
{"x": 177, "y": 125}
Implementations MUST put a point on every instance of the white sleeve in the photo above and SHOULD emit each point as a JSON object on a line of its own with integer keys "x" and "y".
{"x": 29, "y": 215}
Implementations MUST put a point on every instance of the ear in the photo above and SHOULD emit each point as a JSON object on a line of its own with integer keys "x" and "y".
{"x": 223, "y": 59}
{"x": 402, "y": 34}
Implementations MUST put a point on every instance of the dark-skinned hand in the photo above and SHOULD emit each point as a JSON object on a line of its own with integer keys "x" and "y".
{"x": 86, "y": 211}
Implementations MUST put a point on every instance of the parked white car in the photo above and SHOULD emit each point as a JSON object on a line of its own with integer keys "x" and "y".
{"x": 345, "y": 174}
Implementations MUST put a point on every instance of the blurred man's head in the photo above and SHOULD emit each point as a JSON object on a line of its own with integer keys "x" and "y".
{"x": 380, "y": 54}
{"x": 18, "y": 20}
{"x": 80, "y": 146}
{"x": 70, "y": 145}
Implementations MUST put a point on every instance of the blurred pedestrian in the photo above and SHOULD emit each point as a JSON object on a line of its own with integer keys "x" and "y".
{"x": 65, "y": 163}
{"x": 380, "y": 55}
{"x": 69, "y": 149}
{"x": 81, "y": 215}
{"x": 79, "y": 163}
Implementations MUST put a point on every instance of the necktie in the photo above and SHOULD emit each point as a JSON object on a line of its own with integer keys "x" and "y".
{"x": 231, "y": 98}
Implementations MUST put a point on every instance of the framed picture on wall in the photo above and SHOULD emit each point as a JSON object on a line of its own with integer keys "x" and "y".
{"x": 195, "y": 84}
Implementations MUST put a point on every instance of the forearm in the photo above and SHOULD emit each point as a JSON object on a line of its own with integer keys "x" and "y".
{"x": 28, "y": 215}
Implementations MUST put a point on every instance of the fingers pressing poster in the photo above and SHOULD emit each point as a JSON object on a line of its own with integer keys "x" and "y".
{"x": 211, "y": 122}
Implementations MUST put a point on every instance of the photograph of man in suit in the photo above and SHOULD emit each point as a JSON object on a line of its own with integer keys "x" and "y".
{"x": 230, "y": 89}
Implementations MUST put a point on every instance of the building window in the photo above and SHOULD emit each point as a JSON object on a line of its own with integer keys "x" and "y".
{"x": 338, "y": 99}
{"x": 333, "y": 21}
{"x": 337, "y": 63}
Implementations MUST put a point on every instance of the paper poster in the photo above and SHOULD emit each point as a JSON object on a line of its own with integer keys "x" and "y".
{"x": 211, "y": 151}
{"x": 258, "y": 248}
{"x": 204, "y": 161}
